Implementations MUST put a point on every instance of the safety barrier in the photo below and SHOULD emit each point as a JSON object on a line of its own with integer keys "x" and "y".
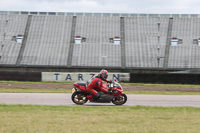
{"x": 166, "y": 78}
{"x": 172, "y": 78}
{"x": 20, "y": 76}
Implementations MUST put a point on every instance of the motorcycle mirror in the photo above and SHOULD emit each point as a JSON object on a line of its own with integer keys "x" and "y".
{"x": 115, "y": 79}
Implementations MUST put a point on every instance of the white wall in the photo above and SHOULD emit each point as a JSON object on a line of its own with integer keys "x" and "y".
{"x": 74, "y": 77}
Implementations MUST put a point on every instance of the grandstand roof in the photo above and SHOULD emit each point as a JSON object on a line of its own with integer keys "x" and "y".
{"x": 99, "y": 14}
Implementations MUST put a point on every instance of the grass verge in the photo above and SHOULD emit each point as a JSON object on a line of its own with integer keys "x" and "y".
{"x": 4, "y": 81}
{"x": 27, "y": 118}
{"x": 24, "y": 90}
{"x": 162, "y": 92}
{"x": 162, "y": 85}
{"x": 132, "y": 84}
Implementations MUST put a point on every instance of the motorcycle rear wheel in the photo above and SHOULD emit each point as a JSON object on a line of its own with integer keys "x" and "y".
{"x": 79, "y": 97}
{"x": 121, "y": 101}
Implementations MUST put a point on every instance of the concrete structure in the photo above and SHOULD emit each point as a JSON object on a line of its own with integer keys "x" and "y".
{"x": 97, "y": 50}
{"x": 10, "y": 27}
{"x": 144, "y": 40}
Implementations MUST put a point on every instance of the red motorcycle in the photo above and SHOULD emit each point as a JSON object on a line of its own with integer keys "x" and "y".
{"x": 117, "y": 97}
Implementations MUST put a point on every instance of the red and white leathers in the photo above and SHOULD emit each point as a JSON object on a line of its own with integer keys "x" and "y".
{"x": 94, "y": 85}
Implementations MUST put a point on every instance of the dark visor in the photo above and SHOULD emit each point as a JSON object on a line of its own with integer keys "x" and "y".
{"x": 105, "y": 76}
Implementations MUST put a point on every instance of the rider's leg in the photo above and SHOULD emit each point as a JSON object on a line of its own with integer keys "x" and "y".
{"x": 104, "y": 90}
{"x": 94, "y": 93}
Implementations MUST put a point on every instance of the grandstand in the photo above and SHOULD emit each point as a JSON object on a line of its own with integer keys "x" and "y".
{"x": 49, "y": 40}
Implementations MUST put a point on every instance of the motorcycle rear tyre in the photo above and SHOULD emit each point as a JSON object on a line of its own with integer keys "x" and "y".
{"x": 79, "y": 97}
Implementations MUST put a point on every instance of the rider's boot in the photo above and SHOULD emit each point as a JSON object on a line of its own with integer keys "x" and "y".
{"x": 89, "y": 97}
{"x": 96, "y": 97}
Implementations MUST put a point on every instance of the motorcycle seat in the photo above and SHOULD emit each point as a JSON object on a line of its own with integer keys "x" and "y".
{"x": 81, "y": 84}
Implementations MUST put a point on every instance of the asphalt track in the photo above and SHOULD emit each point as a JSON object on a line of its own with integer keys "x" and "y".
{"x": 133, "y": 100}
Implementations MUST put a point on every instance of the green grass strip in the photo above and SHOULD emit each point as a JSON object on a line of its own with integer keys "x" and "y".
{"x": 24, "y": 90}
{"x": 163, "y": 92}
{"x": 84, "y": 119}
{"x": 162, "y": 85}
{"x": 131, "y": 84}
{"x": 3, "y": 81}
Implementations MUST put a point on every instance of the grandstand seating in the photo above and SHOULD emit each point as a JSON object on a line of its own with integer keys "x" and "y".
{"x": 48, "y": 41}
{"x": 185, "y": 55}
{"x": 142, "y": 44}
{"x": 146, "y": 40}
{"x": 10, "y": 25}
{"x": 97, "y": 50}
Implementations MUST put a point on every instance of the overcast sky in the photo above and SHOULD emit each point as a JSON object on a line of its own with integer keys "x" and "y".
{"x": 104, "y": 6}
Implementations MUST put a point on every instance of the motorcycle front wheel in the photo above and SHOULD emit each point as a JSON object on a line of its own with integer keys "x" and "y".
{"x": 79, "y": 97}
{"x": 121, "y": 101}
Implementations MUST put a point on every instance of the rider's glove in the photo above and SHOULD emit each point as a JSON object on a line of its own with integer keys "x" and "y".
{"x": 110, "y": 81}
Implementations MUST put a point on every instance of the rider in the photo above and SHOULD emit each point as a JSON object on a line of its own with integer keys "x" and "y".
{"x": 95, "y": 83}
